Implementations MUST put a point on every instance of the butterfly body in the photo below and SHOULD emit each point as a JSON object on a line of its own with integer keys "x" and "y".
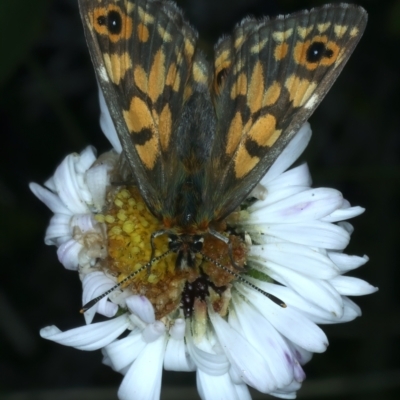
{"x": 198, "y": 136}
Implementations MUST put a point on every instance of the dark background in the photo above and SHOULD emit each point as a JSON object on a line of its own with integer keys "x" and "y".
{"x": 48, "y": 109}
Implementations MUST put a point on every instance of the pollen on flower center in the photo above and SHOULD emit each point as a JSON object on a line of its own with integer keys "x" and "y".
{"x": 129, "y": 227}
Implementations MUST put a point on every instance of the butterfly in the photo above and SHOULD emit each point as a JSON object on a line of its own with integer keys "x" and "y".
{"x": 198, "y": 136}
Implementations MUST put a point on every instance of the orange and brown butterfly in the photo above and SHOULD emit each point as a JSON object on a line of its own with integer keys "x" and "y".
{"x": 198, "y": 136}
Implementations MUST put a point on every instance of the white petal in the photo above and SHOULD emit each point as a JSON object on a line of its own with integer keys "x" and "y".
{"x": 349, "y": 228}
{"x": 244, "y": 358}
{"x": 85, "y": 160}
{"x": 68, "y": 254}
{"x": 302, "y": 356}
{"x": 123, "y": 352}
{"x": 88, "y": 337}
{"x": 351, "y": 310}
{"x": 211, "y": 387}
{"x": 294, "y": 181}
{"x": 294, "y": 301}
{"x": 85, "y": 222}
{"x": 177, "y": 357}
{"x": 316, "y": 291}
{"x": 290, "y": 154}
{"x": 263, "y": 336}
{"x": 177, "y": 330}
{"x": 299, "y": 258}
{"x": 206, "y": 359}
{"x": 344, "y": 213}
{"x": 141, "y": 306}
{"x": 97, "y": 180}
{"x": 59, "y": 230}
{"x": 308, "y": 205}
{"x": 346, "y": 262}
{"x": 143, "y": 379}
{"x": 349, "y": 286}
{"x": 70, "y": 187}
{"x": 288, "y": 392}
{"x": 275, "y": 196}
{"x": 95, "y": 284}
{"x": 153, "y": 331}
{"x": 313, "y": 234}
{"x": 52, "y": 201}
{"x": 107, "y": 125}
{"x": 297, "y": 176}
{"x": 307, "y": 334}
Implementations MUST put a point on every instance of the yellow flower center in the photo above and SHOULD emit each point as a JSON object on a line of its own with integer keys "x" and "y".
{"x": 129, "y": 226}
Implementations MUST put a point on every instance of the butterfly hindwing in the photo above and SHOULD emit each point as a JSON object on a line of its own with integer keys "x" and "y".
{"x": 269, "y": 77}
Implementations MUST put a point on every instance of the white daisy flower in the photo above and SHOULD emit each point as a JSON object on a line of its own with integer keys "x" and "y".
{"x": 291, "y": 241}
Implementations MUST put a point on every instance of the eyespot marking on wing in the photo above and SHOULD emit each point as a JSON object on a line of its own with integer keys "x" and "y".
{"x": 112, "y": 22}
{"x": 316, "y": 52}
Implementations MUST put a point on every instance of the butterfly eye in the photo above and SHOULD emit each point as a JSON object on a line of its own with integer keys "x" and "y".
{"x": 317, "y": 51}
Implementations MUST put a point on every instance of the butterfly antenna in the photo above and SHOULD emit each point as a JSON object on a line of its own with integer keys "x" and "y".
{"x": 275, "y": 299}
{"x": 92, "y": 302}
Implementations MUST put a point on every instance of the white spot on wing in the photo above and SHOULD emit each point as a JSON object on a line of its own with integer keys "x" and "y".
{"x": 103, "y": 74}
{"x": 311, "y": 102}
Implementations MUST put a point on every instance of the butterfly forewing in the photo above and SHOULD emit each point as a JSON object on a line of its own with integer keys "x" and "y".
{"x": 269, "y": 77}
{"x": 143, "y": 52}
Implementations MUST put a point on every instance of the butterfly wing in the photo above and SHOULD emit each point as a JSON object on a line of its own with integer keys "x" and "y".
{"x": 144, "y": 56}
{"x": 269, "y": 77}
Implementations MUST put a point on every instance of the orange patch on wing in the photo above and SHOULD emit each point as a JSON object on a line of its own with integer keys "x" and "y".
{"x": 189, "y": 48}
{"x": 143, "y": 33}
{"x": 272, "y": 94}
{"x": 187, "y": 92}
{"x": 157, "y": 76}
{"x": 327, "y": 61}
{"x": 165, "y": 35}
{"x": 244, "y": 162}
{"x": 140, "y": 78}
{"x": 173, "y": 79}
{"x": 117, "y": 65}
{"x": 255, "y": 91}
{"x": 138, "y": 117}
{"x": 263, "y": 131}
{"x": 239, "y": 41}
{"x": 281, "y": 51}
{"x": 199, "y": 75}
{"x": 165, "y": 127}
{"x": 148, "y": 152}
{"x": 225, "y": 56}
{"x": 300, "y": 90}
{"x": 240, "y": 86}
{"x": 234, "y": 133}
{"x": 98, "y": 21}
